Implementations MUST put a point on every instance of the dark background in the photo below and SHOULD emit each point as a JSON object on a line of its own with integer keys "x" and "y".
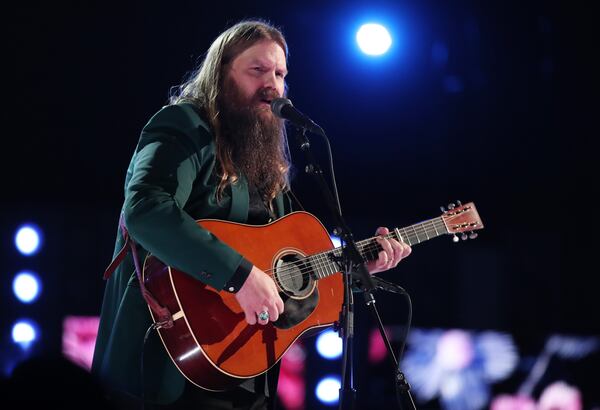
{"x": 504, "y": 121}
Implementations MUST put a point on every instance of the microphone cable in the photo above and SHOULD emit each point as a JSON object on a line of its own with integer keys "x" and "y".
{"x": 143, "y": 390}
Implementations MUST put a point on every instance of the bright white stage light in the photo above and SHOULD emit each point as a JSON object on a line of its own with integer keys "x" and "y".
{"x": 328, "y": 390}
{"x": 330, "y": 345}
{"x": 373, "y": 39}
{"x": 24, "y": 332}
{"x": 26, "y": 286}
{"x": 337, "y": 242}
{"x": 28, "y": 239}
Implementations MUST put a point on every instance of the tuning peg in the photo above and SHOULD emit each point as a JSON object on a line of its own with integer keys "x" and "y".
{"x": 451, "y": 206}
{"x": 459, "y": 203}
{"x": 464, "y": 236}
{"x": 473, "y": 235}
{"x": 443, "y": 209}
{"x": 455, "y": 238}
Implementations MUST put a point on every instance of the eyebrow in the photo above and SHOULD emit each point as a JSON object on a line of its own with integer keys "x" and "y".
{"x": 261, "y": 62}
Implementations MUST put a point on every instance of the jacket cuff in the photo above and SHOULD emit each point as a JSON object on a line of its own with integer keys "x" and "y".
{"x": 239, "y": 277}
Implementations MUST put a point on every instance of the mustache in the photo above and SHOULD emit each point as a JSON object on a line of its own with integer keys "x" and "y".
{"x": 266, "y": 94}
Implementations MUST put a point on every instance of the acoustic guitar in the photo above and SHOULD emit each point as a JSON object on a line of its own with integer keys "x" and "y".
{"x": 212, "y": 344}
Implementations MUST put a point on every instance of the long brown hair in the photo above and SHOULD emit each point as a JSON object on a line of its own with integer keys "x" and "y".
{"x": 205, "y": 85}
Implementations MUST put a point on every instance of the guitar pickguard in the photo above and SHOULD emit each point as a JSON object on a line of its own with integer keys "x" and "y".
{"x": 295, "y": 311}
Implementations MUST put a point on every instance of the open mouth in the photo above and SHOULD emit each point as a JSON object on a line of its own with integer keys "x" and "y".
{"x": 265, "y": 97}
{"x": 264, "y": 103}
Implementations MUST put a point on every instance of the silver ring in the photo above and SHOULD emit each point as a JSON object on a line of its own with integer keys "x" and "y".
{"x": 264, "y": 315}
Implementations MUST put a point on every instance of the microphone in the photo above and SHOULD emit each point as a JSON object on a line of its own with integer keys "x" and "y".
{"x": 283, "y": 108}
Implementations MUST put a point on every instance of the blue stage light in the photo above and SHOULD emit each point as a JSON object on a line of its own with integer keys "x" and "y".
{"x": 24, "y": 333}
{"x": 26, "y": 286}
{"x": 28, "y": 239}
{"x": 336, "y": 241}
{"x": 373, "y": 39}
{"x": 329, "y": 345}
{"x": 328, "y": 390}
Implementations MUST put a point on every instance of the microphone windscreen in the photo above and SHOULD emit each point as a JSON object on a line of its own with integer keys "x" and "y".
{"x": 277, "y": 105}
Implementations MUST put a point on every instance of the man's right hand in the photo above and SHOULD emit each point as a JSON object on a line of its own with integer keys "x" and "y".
{"x": 259, "y": 294}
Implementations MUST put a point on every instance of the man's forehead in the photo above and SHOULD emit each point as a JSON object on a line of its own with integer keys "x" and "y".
{"x": 264, "y": 51}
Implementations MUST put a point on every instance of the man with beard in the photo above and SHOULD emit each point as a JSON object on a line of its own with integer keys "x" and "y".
{"x": 216, "y": 151}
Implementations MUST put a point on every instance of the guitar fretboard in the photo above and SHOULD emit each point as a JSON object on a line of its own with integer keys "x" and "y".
{"x": 326, "y": 263}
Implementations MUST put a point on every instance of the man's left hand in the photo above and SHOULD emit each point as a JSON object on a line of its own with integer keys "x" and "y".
{"x": 392, "y": 253}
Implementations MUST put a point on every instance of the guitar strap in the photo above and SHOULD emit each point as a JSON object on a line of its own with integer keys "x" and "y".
{"x": 165, "y": 319}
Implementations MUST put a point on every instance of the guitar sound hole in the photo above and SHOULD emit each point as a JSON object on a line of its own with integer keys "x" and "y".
{"x": 299, "y": 290}
{"x": 294, "y": 276}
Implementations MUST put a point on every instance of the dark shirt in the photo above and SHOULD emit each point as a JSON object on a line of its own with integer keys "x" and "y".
{"x": 258, "y": 212}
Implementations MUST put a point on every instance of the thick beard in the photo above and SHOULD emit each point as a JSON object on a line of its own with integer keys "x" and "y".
{"x": 254, "y": 138}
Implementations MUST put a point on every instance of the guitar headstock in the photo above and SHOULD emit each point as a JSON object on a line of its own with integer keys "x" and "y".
{"x": 462, "y": 219}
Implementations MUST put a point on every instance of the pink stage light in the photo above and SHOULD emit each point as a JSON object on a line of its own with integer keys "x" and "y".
{"x": 79, "y": 339}
{"x": 291, "y": 388}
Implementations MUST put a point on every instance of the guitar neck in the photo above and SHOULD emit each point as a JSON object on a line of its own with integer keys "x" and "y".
{"x": 412, "y": 235}
{"x": 326, "y": 263}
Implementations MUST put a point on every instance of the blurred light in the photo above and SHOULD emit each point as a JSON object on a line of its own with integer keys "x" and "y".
{"x": 458, "y": 366}
{"x": 512, "y": 402}
{"x": 26, "y": 286}
{"x": 455, "y": 350}
{"x": 291, "y": 386}
{"x": 329, "y": 345}
{"x": 28, "y": 239}
{"x": 453, "y": 387}
{"x": 79, "y": 339}
{"x": 328, "y": 390}
{"x": 24, "y": 332}
{"x": 373, "y": 39}
{"x": 571, "y": 347}
{"x": 377, "y": 348}
{"x": 336, "y": 241}
{"x": 560, "y": 395}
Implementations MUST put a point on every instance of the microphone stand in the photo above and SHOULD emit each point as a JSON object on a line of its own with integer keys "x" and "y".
{"x": 354, "y": 267}
{"x": 403, "y": 396}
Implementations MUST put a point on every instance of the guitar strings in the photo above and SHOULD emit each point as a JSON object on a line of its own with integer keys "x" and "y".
{"x": 322, "y": 262}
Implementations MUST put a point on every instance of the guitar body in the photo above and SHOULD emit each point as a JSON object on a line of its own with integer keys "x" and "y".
{"x": 211, "y": 343}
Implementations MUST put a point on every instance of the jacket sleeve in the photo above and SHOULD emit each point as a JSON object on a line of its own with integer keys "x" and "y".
{"x": 172, "y": 151}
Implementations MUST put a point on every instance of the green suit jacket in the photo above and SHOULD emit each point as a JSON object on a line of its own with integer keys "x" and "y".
{"x": 170, "y": 183}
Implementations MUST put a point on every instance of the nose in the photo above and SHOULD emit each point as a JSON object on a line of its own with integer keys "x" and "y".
{"x": 272, "y": 81}
{"x": 269, "y": 80}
